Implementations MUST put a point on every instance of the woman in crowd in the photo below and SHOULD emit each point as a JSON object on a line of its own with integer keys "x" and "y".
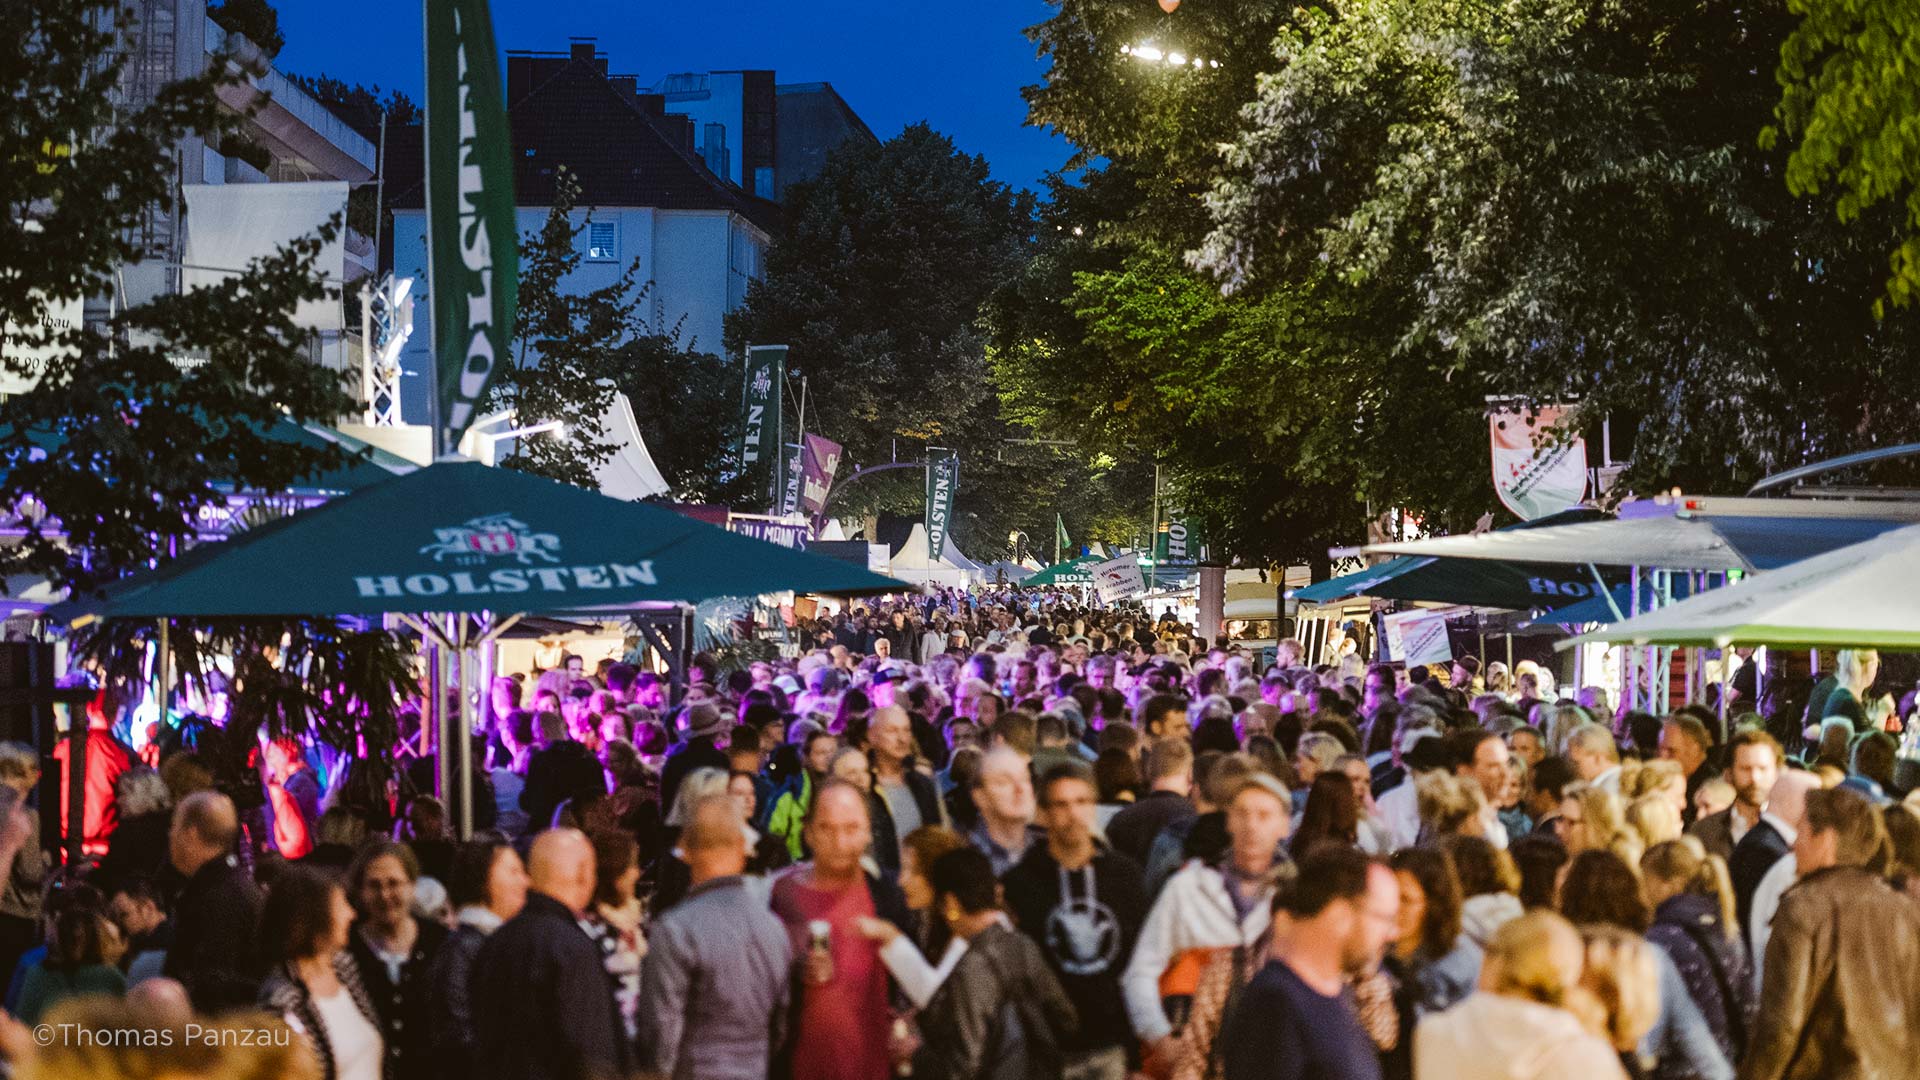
{"x": 1436, "y": 964}
{"x": 312, "y": 980}
{"x": 1519, "y": 1025}
{"x": 1593, "y": 819}
{"x": 1489, "y": 884}
{"x": 614, "y": 920}
{"x": 1001, "y": 1012}
{"x": 1329, "y": 817}
{"x": 1622, "y": 991}
{"x": 1601, "y": 889}
{"x": 907, "y": 958}
{"x": 486, "y": 886}
{"x": 1451, "y": 806}
{"x": 1653, "y": 819}
{"x": 394, "y": 950}
{"x": 1693, "y": 920}
{"x": 83, "y": 950}
{"x": 765, "y": 852}
{"x": 1539, "y": 859}
{"x": 1658, "y": 778}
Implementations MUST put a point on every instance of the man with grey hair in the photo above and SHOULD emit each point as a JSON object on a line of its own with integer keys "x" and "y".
{"x": 1595, "y": 757}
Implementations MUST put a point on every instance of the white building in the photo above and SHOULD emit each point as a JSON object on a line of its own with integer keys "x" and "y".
{"x": 695, "y": 235}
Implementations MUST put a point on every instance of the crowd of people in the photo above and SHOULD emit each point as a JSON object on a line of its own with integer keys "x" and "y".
{"x": 1000, "y": 834}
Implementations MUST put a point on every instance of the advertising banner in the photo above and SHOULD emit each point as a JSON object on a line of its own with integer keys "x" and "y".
{"x": 785, "y": 534}
{"x": 943, "y": 479}
{"x": 819, "y": 461}
{"x": 1119, "y": 578}
{"x": 1418, "y": 637}
{"x": 760, "y": 406}
{"x": 473, "y": 253}
{"x": 1535, "y": 481}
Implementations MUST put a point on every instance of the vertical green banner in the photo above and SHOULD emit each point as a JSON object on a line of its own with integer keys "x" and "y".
{"x": 943, "y": 480}
{"x": 760, "y": 440}
{"x": 1179, "y": 544}
{"x": 472, "y": 236}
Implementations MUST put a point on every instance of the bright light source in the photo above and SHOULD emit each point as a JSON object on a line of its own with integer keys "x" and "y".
{"x": 1077, "y": 231}
{"x": 1176, "y": 60}
{"x": 1148, "y": 52}
{"x": 1153, "y": 54}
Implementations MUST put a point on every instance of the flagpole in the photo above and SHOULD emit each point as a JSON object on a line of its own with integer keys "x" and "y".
{"x": 1059, "y": 527}
{"x": 1153, "y": 534}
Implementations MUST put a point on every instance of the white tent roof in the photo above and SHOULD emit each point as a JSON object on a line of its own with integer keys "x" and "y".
{"x": 1667, "y": 543}
{"x": 1865, "y": 595}
{"x": 832, "y": 530}
{"x": 630, "y": 473}
{"x": 914, "y": 562}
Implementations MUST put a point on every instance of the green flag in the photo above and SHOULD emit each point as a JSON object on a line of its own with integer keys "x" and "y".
{"x": 943, "y": 479}
{"x": 1060, "y": 541}
{"x": 759, "y": 410}
{"x": 473, "y": 254}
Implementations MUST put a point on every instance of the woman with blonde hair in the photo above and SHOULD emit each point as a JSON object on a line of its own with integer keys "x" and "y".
{"x": 1622, "y": 983}
{"x": 1451, "y": 806}
{"x": 1653, "y": 820}
{"x": 1657, "y": 777}
{"x": 1694, "y": 921}
{"x": 1528, "y": 1020}
{"x": 1592, "y": 819}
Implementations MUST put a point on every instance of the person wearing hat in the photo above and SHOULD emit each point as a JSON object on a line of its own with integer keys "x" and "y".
{"x": 706, "y": 725}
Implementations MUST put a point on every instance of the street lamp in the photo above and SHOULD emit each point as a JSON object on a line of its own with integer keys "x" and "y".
{"x": 1154, "y": 54}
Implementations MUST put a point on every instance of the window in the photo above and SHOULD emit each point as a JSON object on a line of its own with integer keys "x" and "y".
{"x": 602, "y": 241}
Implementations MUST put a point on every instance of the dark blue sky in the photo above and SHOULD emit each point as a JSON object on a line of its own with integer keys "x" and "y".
{"x": 958, "y": 64}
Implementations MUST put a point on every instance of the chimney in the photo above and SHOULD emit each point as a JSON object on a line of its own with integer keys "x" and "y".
{"x": 582, "y": 48}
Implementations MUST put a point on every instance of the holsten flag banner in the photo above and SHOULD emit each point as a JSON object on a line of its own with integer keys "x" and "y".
{"x": 819, "y": 460}
{"x": 460, "y": 536}
{"x": 473, "y": 257}
{"x": 943, "y": 479}
{"x": 760, "y": 407}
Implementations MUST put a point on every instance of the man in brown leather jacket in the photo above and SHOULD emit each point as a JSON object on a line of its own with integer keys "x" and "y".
{"x": 1841, "y": 998}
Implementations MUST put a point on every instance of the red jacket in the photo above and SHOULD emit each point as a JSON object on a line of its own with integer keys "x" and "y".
{"x": 107, "y": 758}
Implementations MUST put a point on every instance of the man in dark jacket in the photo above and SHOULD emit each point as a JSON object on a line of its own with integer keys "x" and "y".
{"x": 1170, "y": 776}
{"x": 907, "y": 797}
{"x": 561, "y": 770}
{"x": 1083, "y": 905}
{"x": 217, "y": 915}
{"x": 542, "y": 1004}
{"x": 1001, "y": 1013}
{"x": 705, "y": 725}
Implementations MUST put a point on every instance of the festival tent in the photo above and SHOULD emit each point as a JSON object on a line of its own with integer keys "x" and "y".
{"x": 914, "y": 562}
{"x": 1669, "y": 543}
{"x": 462, "y": 537}
{"x": 1866, "y": 595}
{"x": 1476, "y": 582}
{"x": 629, "y": 472}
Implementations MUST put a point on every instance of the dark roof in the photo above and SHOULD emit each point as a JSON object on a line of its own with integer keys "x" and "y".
{"x": 621, "y": 147}
{"x": 814, "y": 120}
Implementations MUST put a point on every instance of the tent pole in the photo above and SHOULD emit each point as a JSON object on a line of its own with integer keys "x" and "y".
{"x": 463, "y": 752}
{"x": 163, "y": 666}
{"x": 430, "y": 716}
{"x": 442, "y": 723}
{"x": 1632, "y": 657}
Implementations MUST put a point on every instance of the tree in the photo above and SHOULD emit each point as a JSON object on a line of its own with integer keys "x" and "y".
{"x": 1850, "y": 88}
{"x": 257, "y": 19}
{"x": 135, "y": 428}
{"x": 688, "y": 404}
{"x": 566, "y": 348}
{"x": 360, "y": 107}
{"x": 876, "y": 281}
{"x": 1566, "y": 202}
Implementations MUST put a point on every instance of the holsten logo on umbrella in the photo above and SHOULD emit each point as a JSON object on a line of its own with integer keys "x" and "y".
{"x": 502, "y": 537}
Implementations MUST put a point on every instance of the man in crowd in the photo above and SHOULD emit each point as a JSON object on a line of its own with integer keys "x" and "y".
{"x": 217, "y": 915}
{"x": 1083, "y": 904}
{"x": 1296, "y": 1019}
{"x": 542, "y": 1003}
{"x": 715, "y": 981}
{"x": 561, "y": 770}
{"x": 1595, "y": 756}
{"x": 841, "y": 1021}
{"x": 1164, "y": 716}
{"x": 1839, "y": 997}
{"x": 907, "y": 795}
{"x": 1211, "y": 906}
{"x": 1684, "y": 740}
{"x": 1754, "y": 767}
{"x": 1786, "y": 804}
{"x": 1004, "y": 796}
{"x": 705, "y": 726}
{"x": 1481, "y": 756}
{"x": 1170, "y": 780}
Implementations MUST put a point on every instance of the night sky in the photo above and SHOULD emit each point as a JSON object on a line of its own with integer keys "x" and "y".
{"x": 958, "y": 65}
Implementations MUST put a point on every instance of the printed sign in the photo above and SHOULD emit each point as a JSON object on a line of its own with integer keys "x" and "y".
{"x": 1535, "y": 481}
{"x": 1119, "y": 578}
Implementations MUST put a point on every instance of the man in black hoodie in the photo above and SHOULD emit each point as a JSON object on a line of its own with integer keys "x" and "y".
{"x": 1083, "y": 903}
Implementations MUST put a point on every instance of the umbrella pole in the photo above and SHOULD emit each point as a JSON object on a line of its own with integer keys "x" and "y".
{"x": 442, "y": 723}
{"x": 430, "y": 718}
{"x": 163, "y": 666}
{"x": 463, "y": 751}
